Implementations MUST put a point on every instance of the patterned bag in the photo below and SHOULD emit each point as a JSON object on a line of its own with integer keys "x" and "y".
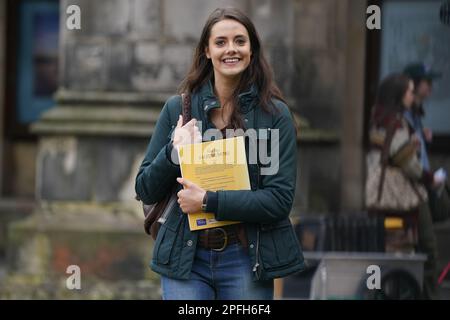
{"x": 397, "y": 192}
{"x": 387, "y": 186}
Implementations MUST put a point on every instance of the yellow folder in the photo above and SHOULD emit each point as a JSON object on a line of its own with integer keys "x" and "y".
{"x": 215, "y": 165}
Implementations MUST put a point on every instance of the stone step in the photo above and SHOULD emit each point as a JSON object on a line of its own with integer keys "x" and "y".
{"x": 12, "y": 209}
{"x": 109, "y": 247}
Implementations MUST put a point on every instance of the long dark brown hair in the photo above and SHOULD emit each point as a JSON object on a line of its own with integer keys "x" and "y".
{"x": 389, "y": 100}
{"x": 258, "y": 71}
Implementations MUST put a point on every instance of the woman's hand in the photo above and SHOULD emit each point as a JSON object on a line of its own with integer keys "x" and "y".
{"x": 439, "y": 178}
{"x": 191, "y": 197}
{"x": 187, "y": 134}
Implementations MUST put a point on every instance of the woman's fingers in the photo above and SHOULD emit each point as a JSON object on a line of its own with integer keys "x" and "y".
{"x": 187, "y": 134}
{"x": 198, "y": 138}
{"x": 180, "y": 121}
{"x": 190, "y": 123}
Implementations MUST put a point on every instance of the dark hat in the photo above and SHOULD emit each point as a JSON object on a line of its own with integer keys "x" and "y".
{"x": 418, "y": 71}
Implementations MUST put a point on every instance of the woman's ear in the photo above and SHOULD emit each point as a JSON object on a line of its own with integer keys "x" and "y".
{"x": 207, "y": 53}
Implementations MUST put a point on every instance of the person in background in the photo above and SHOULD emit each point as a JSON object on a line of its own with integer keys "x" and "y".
{"x": 395, "y": 97}
{"x": 423, "y": 78}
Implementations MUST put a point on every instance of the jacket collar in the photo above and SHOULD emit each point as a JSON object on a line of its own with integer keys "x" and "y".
{"x": 209, "y": 101}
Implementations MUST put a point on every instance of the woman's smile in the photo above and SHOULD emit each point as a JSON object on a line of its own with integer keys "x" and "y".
{"x": 231, "y": 62}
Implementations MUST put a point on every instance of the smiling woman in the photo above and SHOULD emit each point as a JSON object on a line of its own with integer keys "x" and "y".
{"x": 230, "y": 84}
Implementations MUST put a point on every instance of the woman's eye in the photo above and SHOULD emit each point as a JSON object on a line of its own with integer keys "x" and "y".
{"x": 240, "y": 42}
{"x": 220, "y": 43}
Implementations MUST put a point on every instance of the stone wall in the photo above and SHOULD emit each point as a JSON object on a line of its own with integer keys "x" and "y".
{"x": 147, "y": 45}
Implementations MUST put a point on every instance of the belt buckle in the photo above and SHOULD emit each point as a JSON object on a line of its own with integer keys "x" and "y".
{"x": 225, "y": 242}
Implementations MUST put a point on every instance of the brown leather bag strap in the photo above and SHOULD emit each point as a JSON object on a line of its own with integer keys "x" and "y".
{"x": 186, "y": 108}
{"x": 413, "y": 186}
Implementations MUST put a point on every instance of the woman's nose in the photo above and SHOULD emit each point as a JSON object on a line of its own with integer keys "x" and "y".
{"x": 231, "y": 48}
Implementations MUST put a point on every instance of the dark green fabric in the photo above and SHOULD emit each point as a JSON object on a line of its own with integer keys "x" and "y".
{"x": 272, "y": 244}
{"x": 439, "y": 204}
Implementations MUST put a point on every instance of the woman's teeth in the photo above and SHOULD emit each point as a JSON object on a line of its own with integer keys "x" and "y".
{"x": 233, "y": 60}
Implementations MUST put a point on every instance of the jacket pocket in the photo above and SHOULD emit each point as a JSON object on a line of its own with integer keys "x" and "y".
{"x": 167, "y": 235}
{"x": 279, "y": 245}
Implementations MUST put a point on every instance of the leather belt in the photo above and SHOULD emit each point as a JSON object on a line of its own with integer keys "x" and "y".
{"x": 219, "y": 238}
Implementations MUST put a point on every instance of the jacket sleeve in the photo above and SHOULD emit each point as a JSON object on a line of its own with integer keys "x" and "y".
{"x": 273, "y": 201}
{"x": 157, "y": 173}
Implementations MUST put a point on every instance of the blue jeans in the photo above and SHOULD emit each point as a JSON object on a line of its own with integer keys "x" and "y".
{"x": 225, "y": 275}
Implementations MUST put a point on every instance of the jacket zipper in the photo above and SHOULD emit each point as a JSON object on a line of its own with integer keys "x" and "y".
{"x": 255, "y": 267}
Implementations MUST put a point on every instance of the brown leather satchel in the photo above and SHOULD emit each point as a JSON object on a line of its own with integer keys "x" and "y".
{"x": 156, "y": 214}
